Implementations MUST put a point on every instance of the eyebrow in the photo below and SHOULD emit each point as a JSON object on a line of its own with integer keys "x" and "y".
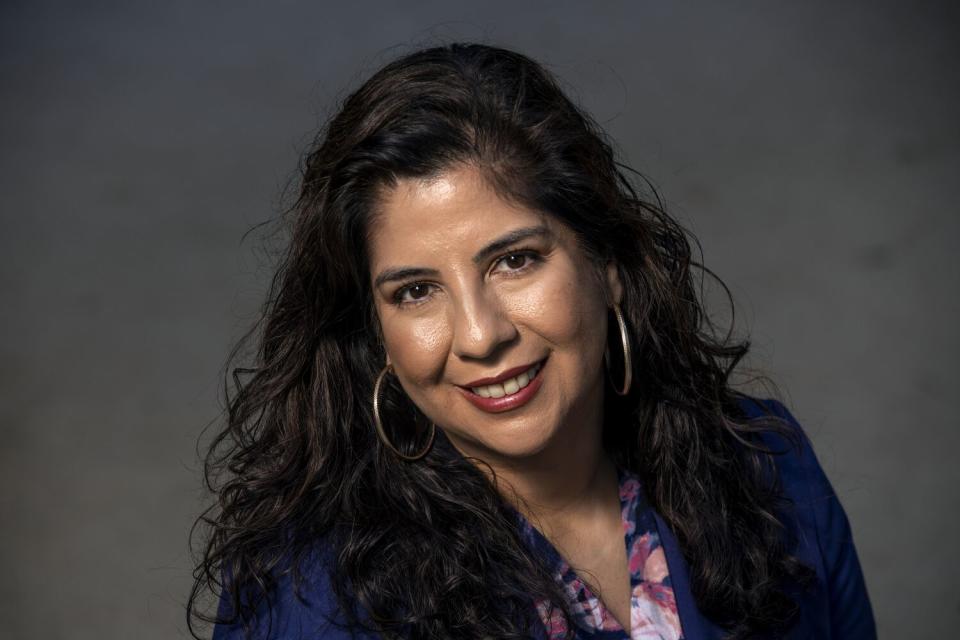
{"x": 501, "y": 243}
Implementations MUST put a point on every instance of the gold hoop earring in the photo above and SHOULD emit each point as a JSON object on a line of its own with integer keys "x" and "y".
{"x": 627, "y": 362}
{"x": 380, "y": 431}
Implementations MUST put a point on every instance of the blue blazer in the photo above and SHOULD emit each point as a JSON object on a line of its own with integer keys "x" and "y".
{"x": 836, "y": 608}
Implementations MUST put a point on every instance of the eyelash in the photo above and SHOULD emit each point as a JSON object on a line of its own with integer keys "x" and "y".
{"x": 533, "y": 257}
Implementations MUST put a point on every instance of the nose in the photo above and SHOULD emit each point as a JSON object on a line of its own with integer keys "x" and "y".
{"x": 481, "y": 326}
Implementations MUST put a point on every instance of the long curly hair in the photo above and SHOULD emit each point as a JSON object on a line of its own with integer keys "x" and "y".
{"x": 428, "y": 549}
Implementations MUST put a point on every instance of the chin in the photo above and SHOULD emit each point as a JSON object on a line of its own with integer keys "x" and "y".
{"x": 517, "y": 443}
{"x": 520, "y": 450}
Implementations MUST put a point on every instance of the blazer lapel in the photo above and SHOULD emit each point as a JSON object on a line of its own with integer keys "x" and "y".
{"x": 695, "y": 626}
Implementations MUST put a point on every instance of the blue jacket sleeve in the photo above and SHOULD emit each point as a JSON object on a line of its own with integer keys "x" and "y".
{"x": 850, "y": 612}
{"x": 314, "y": 615}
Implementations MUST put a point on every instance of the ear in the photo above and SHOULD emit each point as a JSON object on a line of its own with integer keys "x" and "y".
{"x": 614, "y": 286}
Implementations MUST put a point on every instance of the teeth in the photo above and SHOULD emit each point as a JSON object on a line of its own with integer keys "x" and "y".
{"x": 507, "y": 387}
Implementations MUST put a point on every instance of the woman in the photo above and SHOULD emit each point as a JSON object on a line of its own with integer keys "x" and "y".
{"x": 487, "y": 402}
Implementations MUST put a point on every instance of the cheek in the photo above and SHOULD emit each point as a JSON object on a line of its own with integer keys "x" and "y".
{"x": 417, "y": 347}
{"x": 564, "y": 309}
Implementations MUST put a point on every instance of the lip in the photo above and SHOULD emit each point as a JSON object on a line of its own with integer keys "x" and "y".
{"x": 500, "y": 377}
{"x": 509, "y": 402}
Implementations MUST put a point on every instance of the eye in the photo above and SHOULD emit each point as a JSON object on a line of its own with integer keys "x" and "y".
{"x": 412, "y": 293}
{"x": 516, "y": 261}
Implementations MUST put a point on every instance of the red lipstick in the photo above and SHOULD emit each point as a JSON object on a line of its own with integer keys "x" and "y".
{"x": 506, "y": 375}
{"x": 509, "y": 401}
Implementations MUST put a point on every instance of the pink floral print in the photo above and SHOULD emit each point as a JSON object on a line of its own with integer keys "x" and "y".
{"x": 653, "y": 608}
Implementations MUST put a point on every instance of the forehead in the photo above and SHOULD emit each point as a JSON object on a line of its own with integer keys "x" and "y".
{"x": 451, "y": 213}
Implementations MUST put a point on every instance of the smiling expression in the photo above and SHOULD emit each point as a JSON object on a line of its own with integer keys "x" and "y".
{"x": 492, "y": 315}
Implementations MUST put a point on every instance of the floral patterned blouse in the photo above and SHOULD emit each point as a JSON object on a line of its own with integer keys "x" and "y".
{"x": 653, "y": 609}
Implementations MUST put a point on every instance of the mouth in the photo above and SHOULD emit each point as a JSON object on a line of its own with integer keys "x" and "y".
{"x": 495, "y": 395}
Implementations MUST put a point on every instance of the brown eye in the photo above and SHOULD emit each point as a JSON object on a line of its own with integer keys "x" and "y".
{"x": 417, "y": 291}
{"x": 412, "y": 293}
{"x": 514, "y": 261}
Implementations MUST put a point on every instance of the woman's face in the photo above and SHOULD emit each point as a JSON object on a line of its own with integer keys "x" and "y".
{"x": 493, "y": 317}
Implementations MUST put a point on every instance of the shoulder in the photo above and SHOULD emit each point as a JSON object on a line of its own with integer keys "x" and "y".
{"x": 823, "y": 537}
{"x": 798, "y": 468}
{"x": 815, "y": 504}
{"x": 802, "y": 478}
{"x": 294, "y": 612}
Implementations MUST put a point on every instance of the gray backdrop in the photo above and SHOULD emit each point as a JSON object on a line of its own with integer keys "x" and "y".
{"x": 812, "y": 147}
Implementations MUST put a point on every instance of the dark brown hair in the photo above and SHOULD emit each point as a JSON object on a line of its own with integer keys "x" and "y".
{"x": 427, "y": 549}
